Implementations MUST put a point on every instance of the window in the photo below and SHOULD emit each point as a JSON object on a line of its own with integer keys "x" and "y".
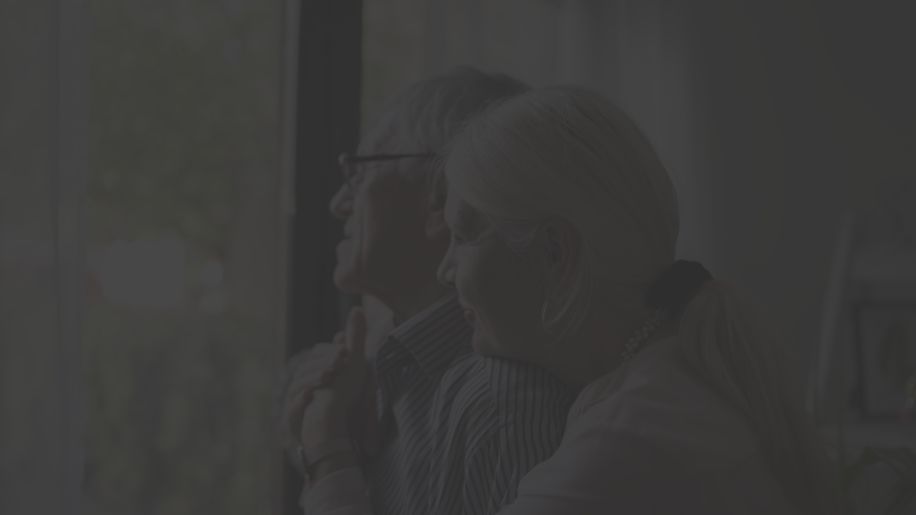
{"x": 185, "y": 238}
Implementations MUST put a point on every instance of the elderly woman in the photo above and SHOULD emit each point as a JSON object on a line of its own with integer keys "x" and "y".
{"x": 564, "y": 225}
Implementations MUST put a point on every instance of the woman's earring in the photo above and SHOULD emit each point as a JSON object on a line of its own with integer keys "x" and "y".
{"x": 553, "y": 253}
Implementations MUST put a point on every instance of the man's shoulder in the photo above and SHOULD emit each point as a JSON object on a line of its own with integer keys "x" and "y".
{"x": 504, "y": 388}
{"x": 499, "y": 419}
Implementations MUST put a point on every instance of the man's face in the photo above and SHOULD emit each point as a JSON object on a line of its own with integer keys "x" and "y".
{"x": 384, "y": 211}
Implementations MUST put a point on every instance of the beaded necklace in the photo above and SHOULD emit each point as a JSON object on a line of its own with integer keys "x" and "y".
{"x": 639, "y": 339}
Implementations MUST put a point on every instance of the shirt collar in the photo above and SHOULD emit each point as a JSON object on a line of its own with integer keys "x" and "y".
{"x": 435, "y": 336}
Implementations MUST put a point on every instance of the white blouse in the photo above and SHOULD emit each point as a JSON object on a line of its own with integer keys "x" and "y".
{"x": 646, "y": 439}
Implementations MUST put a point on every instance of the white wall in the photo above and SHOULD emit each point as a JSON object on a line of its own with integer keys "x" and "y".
{"x": 806, "y": 113}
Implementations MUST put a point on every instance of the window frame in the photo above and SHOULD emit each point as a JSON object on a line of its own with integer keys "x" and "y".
{"x": 327, "y": 66}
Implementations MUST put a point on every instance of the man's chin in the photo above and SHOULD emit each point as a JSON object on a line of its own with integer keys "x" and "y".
{"x": 347, "y": 281}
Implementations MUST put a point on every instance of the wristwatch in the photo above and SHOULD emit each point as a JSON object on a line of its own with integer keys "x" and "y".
{"x": 311, "y": 456}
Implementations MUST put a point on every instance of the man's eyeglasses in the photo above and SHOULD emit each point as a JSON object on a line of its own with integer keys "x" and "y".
{"x": 348, "y": 163}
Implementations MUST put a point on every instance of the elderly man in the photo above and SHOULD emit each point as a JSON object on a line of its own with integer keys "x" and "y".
{"x": 452, "y": 428}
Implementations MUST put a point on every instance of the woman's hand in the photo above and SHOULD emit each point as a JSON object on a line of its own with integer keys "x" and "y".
{"x": 326, "y": 411}
{"x": 310, "y": 369}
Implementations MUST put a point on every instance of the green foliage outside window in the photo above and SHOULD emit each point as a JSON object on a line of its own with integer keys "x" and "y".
{"x": 184, "y": 138}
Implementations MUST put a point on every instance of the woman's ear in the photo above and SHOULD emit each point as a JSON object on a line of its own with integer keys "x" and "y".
{"x": 562, "y": 248}
{"x": 561, "y": 245}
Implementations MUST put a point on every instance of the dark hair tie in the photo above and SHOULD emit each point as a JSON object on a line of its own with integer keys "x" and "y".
{"x": 677, "y": 286}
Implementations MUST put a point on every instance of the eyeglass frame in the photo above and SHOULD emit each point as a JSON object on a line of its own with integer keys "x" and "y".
{"x": 345, "y": 159}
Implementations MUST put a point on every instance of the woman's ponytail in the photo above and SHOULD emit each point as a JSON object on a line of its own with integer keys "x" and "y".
{"x": 726, "y": 350}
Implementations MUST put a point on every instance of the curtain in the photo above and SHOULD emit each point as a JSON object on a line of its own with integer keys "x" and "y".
{"x": 43, "y": 164}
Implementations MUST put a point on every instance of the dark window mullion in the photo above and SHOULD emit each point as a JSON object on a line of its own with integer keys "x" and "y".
{"x": 328, "y": 114}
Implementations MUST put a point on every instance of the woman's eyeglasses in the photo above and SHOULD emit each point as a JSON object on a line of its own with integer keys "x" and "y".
{"x": 348, "y": 163}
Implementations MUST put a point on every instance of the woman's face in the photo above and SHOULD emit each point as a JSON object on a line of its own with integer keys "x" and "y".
{"x": 501, "y": 290}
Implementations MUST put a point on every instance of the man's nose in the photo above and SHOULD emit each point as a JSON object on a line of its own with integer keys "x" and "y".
{"x": 342, "y": 203}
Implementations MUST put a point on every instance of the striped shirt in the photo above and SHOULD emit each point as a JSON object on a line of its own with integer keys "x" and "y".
{"x": 459, "y": 430}
{"x": 493, "y": 421}
{"x": 409, "y": 367}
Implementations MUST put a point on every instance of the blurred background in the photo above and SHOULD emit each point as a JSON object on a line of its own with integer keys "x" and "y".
{"x": 165, "y": 169}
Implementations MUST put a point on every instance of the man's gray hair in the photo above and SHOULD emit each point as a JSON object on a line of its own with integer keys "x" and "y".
{"x": 428, "y": 114}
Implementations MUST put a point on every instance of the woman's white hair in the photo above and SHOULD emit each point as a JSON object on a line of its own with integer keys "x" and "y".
{"x": 570, "y": 154}
{"x": 565, "y": 153}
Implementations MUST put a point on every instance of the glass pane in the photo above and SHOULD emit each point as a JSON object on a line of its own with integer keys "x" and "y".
{"x": 394, "y": 42}
{"x": 186, "y": 240}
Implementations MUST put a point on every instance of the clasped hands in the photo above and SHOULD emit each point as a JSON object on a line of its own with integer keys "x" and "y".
{"x": 329, "y": 396}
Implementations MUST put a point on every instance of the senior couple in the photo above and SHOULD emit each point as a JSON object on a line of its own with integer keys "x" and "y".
{"x": 548, "y": 354}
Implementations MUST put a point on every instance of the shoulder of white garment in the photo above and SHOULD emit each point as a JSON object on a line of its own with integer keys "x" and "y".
{"x": 657, "y": 397}
{"x": 650, "y": 438}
